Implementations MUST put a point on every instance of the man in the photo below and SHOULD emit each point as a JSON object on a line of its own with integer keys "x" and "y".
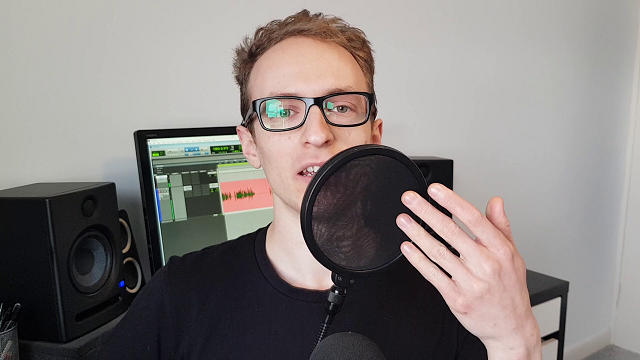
{"x": 307, "y": 93}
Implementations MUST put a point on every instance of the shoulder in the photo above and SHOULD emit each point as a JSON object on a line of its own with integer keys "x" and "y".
{"x": 181, "y": 299}
{"x": 212, "y": 263}
{"x": 196, "y": 280}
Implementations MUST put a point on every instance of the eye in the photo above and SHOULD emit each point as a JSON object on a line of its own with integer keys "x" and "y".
{"x": 285, "y": 113}
{"x": 341, "y": 109}
{"x": 276, "y": 108}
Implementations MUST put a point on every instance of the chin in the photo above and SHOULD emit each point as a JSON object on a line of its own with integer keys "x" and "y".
{"x": 304, "y": 179}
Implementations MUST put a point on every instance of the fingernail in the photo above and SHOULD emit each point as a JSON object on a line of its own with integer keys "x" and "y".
{"x": 409, "y": 198}
{"x": 435, "y": 189}
{"x": 406, "y": 248}
{"x": 403, "y": 220}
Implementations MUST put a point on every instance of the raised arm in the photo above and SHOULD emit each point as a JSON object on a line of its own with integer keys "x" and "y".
{"x": 487, "y": 290}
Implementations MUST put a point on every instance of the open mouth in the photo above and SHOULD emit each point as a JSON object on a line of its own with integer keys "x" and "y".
{"x": 309, "y": 171}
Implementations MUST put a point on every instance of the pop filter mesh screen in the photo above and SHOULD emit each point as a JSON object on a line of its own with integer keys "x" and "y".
{"x": 354, "y": 214}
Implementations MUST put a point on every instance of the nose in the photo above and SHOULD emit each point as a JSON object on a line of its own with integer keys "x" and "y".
{"x": 317, "y": 131}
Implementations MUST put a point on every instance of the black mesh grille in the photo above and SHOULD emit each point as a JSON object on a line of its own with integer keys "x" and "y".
{"x": 355, "y": 209}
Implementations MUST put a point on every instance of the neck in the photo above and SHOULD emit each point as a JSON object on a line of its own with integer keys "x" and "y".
{"x": 289, "y": 254}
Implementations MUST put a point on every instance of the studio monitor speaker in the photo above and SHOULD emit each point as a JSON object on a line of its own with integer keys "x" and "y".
{"x": 436, "y": 170}
{"x": 61, "y": 257}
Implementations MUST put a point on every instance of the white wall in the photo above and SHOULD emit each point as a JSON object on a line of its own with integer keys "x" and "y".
{"x": 627, "y": 315}
{"x": 530, "y": 98}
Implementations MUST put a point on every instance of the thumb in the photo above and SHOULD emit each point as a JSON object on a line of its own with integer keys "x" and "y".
{"x": 497, "y": 216}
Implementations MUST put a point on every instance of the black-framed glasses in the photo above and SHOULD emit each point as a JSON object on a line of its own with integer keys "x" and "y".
{"x": 283, "y": 113}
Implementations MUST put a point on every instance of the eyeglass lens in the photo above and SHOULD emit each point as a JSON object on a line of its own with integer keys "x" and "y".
{"x": 282, "y": 113}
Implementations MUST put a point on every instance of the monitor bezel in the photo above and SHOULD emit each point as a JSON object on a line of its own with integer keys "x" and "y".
{"x": 146, "y": 180}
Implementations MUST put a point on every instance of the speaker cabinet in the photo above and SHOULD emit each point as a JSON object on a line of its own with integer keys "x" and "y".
{"x": 61, "y": 258}
{"x": 436, "y": 170}
{"x": 133, "y": 275}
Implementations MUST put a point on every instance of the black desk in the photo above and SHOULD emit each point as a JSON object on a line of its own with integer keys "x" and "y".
{"x": 543, "y": 289}
{"x": 86, "y": 347}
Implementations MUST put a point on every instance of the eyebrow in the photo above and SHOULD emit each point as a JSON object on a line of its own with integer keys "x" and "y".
{"x": 329, "y": 91}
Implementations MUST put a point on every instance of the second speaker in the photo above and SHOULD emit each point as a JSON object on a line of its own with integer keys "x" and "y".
{"x": 61, "y": 258}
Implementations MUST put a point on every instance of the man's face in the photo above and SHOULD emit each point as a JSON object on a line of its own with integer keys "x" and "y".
{"x": 305, "y": 67}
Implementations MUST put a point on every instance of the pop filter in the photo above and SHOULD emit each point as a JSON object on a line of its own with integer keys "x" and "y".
{"x": 349, "y": 211}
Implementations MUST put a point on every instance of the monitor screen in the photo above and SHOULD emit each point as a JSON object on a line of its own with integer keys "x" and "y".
{"x": 197, "y": 190}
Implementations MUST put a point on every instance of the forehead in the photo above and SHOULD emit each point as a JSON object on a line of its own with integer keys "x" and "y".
{"x": 305, "y": 67}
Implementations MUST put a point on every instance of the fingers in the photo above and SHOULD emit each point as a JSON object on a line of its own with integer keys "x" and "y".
{"x": 439, "y": 222}
{"x": 447, "y": 287}
{"x": 433, "y": 248}
{"x": 484, "y": 257}
{"x": 497, "y": 216}
{"x": 485, "y": 232}
{"x": 487, "y": 291}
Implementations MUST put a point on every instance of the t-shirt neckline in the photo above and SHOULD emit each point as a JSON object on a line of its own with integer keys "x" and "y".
{"x": 317, "y": 296}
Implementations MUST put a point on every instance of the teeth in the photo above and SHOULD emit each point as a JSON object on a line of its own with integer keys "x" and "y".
{"x": 310, "y": 171}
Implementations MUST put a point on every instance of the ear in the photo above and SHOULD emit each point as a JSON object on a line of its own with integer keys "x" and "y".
{"x": 249, "y": 148}
{"x": 376, "y": 132}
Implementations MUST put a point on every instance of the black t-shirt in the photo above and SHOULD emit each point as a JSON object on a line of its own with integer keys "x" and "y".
{"x": 227, "y": 302}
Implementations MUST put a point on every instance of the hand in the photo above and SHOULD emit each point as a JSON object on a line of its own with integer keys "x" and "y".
{"x": 487, "y": 290}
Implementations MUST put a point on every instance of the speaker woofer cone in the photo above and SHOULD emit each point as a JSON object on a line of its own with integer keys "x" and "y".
{"x": 90, "y": 261}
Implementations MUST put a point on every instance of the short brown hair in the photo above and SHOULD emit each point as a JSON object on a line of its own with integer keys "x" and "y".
{"x": 317, "y": 26}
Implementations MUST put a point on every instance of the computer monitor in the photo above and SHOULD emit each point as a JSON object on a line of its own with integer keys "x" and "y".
{"x": 197, "y": 190}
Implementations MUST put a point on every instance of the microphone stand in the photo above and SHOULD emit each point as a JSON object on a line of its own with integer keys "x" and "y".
{"x": 335, "y": 299}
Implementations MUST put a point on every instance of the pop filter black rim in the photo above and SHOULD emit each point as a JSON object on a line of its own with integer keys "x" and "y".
{"x": 324, "y": 173}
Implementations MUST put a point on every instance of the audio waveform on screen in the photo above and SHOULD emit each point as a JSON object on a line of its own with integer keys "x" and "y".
{"x": 239, "y": 195}
{"x": 245, "y": 195}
